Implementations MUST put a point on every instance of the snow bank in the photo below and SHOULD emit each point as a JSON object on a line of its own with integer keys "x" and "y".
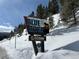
{"x": 61, "y": 37}
{"x": 3, "y": 54}
{"x": 23, "y": 49}
{"x": 60, "y": 54}
{"x": 58, "y": 38}
{"x": 55, "y": 18}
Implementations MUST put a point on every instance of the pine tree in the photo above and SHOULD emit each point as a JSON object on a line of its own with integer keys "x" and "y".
{"x": 46, "y": 12}
{"x": 68, "y": 9}
{"x": 62, "y": 2}
{"x": 40, "y": 13}
{"x": 53, "y": 7}
{"x": 55, "y": 2}
{"x": 20, "y": 29}
{"x": 74, "y": 4}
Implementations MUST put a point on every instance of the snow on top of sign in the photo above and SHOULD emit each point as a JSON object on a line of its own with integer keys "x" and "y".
{"x": 33, "y": 18}
{"x": 41, "y": 21}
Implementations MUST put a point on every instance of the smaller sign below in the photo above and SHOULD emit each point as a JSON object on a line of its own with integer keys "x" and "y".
{"x": 37, "y": 38}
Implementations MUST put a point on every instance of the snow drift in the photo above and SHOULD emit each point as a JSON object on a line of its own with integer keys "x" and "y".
{"x": 59, "y": 54}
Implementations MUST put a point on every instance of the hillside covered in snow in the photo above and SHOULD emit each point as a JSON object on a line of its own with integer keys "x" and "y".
{"x": 61, "y": 43}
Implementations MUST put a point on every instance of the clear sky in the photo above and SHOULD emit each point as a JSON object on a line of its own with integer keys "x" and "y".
{"x": 12, "y": 11}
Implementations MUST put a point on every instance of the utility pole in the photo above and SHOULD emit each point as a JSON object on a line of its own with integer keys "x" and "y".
{"x": 15, "y": 40}
{"x": 75, "y": 21}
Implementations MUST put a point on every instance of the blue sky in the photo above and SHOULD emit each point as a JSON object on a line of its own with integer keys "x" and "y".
{"x": 12, "y": 11}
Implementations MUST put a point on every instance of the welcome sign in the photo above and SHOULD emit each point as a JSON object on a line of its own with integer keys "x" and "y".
{"x": 34, "y": 25}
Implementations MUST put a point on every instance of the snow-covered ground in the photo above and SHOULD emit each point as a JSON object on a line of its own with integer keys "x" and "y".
{"x": 59, "y": 54}
{"x": 22, "y": 50}
{"x": 55, "y": 18}
{"x": 56, "y": 39}
{"x": 62, "y": 37}
{"x": 61, "y": 43}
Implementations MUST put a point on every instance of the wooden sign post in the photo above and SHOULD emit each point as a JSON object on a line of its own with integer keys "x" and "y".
{"x": 36, "y": 31}
{"x": 35, "y": 47}
{"x": 37, "y": 38}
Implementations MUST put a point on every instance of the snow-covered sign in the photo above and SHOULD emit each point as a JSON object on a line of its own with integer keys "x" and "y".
{"x": 35, "y": 25}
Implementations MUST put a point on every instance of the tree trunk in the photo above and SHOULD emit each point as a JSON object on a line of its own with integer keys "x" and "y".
{"x": 75, "y": 20}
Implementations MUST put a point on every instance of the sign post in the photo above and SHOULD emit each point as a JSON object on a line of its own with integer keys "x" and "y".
{"x": 36, "y": 31}
{"x": 35, "y": 47}
{"x": 37, "y": 38}
{"x": 42, "y": 46}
